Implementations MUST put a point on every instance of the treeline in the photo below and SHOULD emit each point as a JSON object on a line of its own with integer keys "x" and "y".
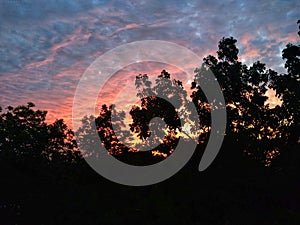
{"x": 45, "y": 180}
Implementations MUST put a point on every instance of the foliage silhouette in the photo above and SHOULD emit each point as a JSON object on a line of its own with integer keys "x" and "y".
{"x": 44, "y": 179}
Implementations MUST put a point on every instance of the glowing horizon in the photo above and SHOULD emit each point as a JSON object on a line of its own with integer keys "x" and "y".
{"x": 46, "y": 47}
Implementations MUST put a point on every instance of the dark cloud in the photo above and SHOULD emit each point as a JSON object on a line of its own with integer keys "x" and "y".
{"x": 29, "y": 10}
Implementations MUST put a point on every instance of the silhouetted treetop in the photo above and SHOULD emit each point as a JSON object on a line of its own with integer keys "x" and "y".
{"x": 24, "y": 133}
{"x": 228, "y": 52}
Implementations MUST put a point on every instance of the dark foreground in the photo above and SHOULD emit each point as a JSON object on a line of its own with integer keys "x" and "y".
{"x": 229, "y": 192}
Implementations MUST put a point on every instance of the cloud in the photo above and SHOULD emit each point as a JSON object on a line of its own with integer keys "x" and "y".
{"x": 45, "y": 46}
{"x": 33, "y": 10}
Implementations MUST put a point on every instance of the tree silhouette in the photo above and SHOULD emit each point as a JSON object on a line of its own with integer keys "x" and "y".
{"x": 154, "y": 103}
{"x": 108, "y": 123}
{"x": 44, "y": 179}
{"x": 256, "y": 130}
{"x": 252, "y": 126}
{"x": 25, "y": 134}
{"x": 287, "y": 87}
{"x": 23, "y": 131}
{"x": 61, "y": 142}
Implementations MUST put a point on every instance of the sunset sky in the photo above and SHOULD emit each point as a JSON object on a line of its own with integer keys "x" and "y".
{"x": 45, "y": 46}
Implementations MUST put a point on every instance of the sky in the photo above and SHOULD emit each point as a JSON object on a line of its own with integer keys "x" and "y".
{"x": 45, "y": 46}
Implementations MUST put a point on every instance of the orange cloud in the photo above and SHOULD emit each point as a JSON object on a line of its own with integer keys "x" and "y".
{"x": 250, "y": 51}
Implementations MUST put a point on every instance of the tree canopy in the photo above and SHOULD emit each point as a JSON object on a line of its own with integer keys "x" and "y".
{"x": 255, "y": 175}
